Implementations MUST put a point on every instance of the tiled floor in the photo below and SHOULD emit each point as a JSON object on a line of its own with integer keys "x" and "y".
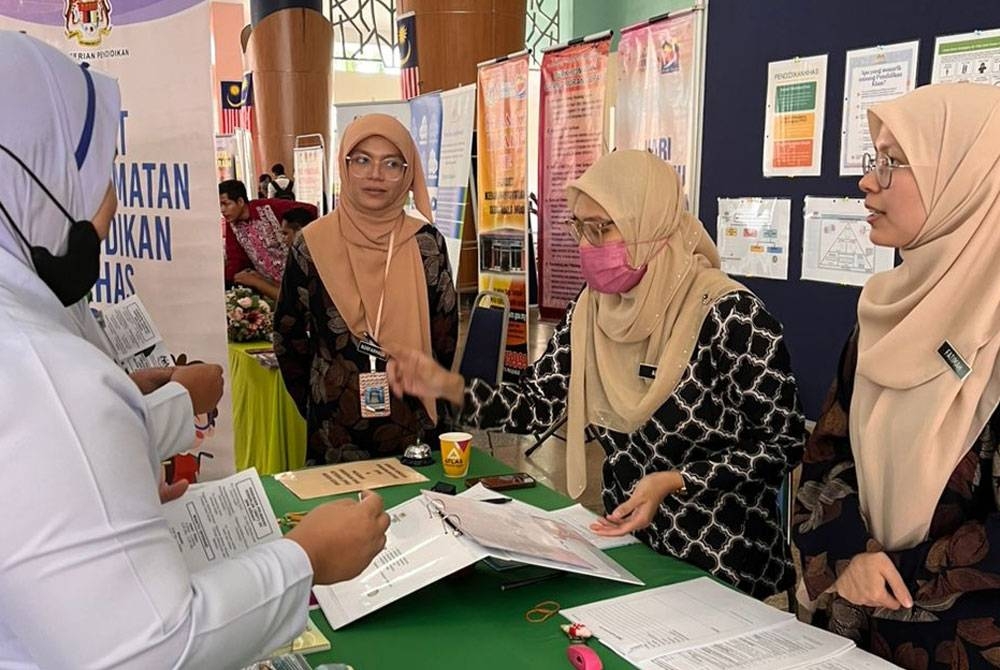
{"x": 548, "y": 464}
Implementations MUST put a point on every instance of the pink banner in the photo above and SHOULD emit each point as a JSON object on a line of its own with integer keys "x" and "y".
{"x": 571, "y": 130}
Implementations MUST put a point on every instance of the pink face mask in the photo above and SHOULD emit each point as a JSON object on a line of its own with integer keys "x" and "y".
{"x": 606, "y": 268}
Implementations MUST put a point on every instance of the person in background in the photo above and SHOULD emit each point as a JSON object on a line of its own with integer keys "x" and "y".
{"x": 679, "y": 372}
{"x": 368, "y": 273}
{"x": 281, "y": 185}
{"x": 255, "y": 247}
{"x": 897, "y": 516}
{"x": 263, "y": 184}
{"x": 294, "y": 221}
{"x": 85, "y": 536}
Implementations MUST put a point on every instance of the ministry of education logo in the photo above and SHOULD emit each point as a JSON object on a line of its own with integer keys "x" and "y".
{"x": 88, "y": 21}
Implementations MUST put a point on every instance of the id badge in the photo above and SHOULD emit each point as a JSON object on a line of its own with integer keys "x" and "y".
{"x": 374, "y": 390}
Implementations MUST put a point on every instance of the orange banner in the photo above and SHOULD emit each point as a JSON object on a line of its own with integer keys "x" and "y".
{"x": 502, "y": 168}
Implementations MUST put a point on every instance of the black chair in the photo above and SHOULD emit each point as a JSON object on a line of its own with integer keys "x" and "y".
{"x": 486, "y": 339}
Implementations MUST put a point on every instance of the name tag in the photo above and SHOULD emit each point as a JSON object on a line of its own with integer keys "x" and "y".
{"x": 954, "y": 360}
{"x": 371, "y": 349}
{"x": 647, "y": 371}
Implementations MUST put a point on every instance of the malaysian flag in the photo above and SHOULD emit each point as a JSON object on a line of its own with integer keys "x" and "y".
{"x": 246, "y": 102}
{"x": 232, "y": 95}
{"x": 406, "y": 42}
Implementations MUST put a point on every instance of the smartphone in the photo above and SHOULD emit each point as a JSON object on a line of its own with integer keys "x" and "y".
{"x": 517, "y": 480}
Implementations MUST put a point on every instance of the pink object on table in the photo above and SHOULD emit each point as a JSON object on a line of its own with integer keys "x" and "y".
{"x": 583, "y": 657}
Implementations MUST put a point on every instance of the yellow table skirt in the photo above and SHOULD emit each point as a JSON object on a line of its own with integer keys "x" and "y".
{"x": 269, "y": 433}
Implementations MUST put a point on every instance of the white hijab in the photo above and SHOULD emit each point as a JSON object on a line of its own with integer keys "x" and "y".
{"x": 63, "y": 127}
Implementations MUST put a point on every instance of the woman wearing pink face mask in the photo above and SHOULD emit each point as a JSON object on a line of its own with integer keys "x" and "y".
{"x": 677, "y": 371}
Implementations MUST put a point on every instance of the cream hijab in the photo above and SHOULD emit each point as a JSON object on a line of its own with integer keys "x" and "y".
{"x": 658, "y": 321}
{"x": 350, "y": 250}
{"x": 912, "y": 418}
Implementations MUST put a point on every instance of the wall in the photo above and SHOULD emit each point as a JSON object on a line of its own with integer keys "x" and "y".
{"x": 364, "y": 86}
{"x": 593, "y": 16}
{"x": 227, "y": 19}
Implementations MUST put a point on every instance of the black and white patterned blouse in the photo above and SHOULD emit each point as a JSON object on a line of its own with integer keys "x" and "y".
{"x": 733, "y": 428}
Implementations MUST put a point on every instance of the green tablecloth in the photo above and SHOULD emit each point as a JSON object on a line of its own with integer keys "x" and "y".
{"x": 269, "y": 434}
{"x": 466, "y": 621}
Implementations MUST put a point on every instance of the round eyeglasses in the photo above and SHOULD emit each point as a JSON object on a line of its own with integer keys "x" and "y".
{"x": 363, "y": 166}
{"x": 882, "y": 166}
{"x": 591, "y": 231}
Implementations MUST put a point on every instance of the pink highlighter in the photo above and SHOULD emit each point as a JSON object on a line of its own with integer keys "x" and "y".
{"x": 583, "y": 657}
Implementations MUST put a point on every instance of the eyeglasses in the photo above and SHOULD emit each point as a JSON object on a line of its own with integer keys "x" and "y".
{"x": 882, "y": 165}
{"x": 591, "y": 231}
{"x": 363, "y": 166}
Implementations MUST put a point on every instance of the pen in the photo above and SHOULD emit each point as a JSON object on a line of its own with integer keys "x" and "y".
{"x": 496, "y": 501}
{"x": 507, "y": 586}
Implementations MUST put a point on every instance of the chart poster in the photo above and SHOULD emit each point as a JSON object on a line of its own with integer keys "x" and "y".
{"x": 458, "y": 120}
{"x": 972, "y": 57}
{"x": 571, "y": 139}
{"x": 656, "y": 90}
{"x": 502, "y": 131}
{"x": 754, "y": 235}
{"x": 164, "y": 244}
{"x": 835, "y": 244}
{"x": 872, "y": 76}
{"x": 793, "y": 122}
{"x": 309, "y": 175}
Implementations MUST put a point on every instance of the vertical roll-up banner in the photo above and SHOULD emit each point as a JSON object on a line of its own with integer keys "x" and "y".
{"x": 502, "y": 169}
{"x": 458, "y": 120}
{"x": 660, "y": 90}
{"x": 165, "y": 243}
{"x": 571, "y": 138}
{"x": 425, "y": 127}
{"x": 309, "y": 170}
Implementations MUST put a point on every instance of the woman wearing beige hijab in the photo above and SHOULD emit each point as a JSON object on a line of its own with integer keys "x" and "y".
{"x": 677, "y": 371}
{"x": 897, "y": 514}
{"x": 366, "y": 278}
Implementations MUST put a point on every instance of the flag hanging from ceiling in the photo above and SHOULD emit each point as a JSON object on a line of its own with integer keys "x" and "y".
{"x": 246, "y": 102}
{"x": 406, "y": 42}
{"x": 232, "y": 94}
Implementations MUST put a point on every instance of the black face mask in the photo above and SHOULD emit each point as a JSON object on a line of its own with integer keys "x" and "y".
{"x": 72, "y": 275}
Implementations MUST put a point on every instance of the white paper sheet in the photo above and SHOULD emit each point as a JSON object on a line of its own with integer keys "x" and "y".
{"x": 793, "y": 120}
{"x": 217, "y": 520}
{"x": 835, "y": 243}
{"x": 852, "y": 659}
{"x": 871, "y": 76}
{"x": 420, "y": 549}
{"x": 753, "y": 236}
{"x": 648, "y": 624}
{"x": 576, "y": 516}
{"x": 783, "y": 647}
{"x": 972, "y": 57}
{"x": 133, "y": 336}
{"x": 509, "y": 533}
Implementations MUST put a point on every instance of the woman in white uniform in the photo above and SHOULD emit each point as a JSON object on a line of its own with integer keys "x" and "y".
{"x": 90, "y": 576}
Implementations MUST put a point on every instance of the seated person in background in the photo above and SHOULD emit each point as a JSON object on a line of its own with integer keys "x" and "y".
{"x": 255, "y": 247}
{"x": 263, "y": 182}
{"x": 293, "y": 221}
{"x": 679, "y": 372}
{"x": 281, "y": 185}
{"x": 86, "y": 539}
{"x": 897, "y": 516}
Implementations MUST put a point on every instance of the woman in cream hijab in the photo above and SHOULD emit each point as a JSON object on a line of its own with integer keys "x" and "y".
{"x": 678, "y": 372}
{"x": 897, "y": 514}
{"x": 368, "y": 277}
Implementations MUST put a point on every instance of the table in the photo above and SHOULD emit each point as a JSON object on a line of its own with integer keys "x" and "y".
{"x": 466, "y": 621}
{"x": 268, "y": 431}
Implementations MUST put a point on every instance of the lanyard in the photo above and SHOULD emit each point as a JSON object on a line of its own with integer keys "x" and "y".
{"x": 381, "y": 301}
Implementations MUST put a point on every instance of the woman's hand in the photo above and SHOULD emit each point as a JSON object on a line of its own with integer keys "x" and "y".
{"x": 638, "y": 511}
{"x": 150, "y": 379}
{"x": 872, "y": 580}
{"x": 412, "y": 372}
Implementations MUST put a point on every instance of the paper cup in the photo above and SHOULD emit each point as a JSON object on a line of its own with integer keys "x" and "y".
{"x": 456, "y": 451}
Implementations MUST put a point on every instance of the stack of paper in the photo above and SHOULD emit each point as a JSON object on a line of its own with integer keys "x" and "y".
{"x": 702, "y": 625}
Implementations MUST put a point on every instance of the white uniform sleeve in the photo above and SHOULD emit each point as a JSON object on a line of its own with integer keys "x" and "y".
{"x": 90, "y": 576}
{"x": 170, "y": 420}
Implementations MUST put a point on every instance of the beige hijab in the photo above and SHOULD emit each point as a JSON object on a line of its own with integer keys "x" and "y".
{"x": 350, "y": 250}
{"x": 658, "y": 321}
{"x": 912, "y": 418}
